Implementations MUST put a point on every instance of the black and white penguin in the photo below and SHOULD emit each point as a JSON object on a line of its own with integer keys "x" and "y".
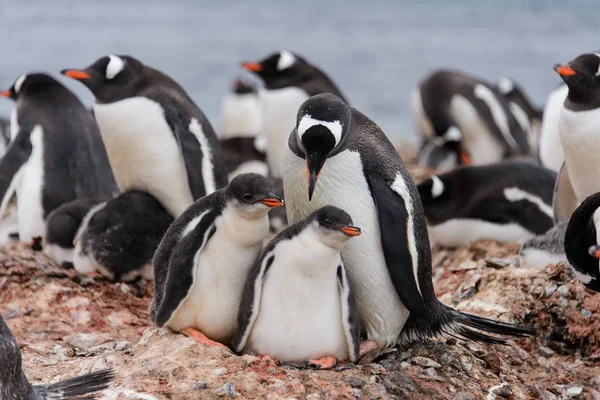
{"x": 157, "y": 139}
{"x": 288, "y": 81}
{"x": 56, "y": 153}
{"x": 337, "y": 156}
{"x": 202, "y": 263}
{"x": 313, "y": 319}
{"x": 443, "y": 153}
{"x": 544, "y": 249}
{"x": 450, "y": 101}
{"x": 582, "y": 240}
{"x": 550, "y": 151}
{"x": 240, "y": 131}
{"x": 118, "y": 238}
{"x": 507, "y": 202}
{"x": 579, "y": 127}
{"x": 14, "y": 383}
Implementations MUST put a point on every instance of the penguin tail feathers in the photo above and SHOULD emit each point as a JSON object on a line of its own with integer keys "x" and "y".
{"x": 447, "y": 320}
{"x": 80, "y": 385}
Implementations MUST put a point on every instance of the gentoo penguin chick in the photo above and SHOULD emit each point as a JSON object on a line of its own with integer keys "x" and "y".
{"x": 443, "y": 153}
{"x": 579, "y": 127}
{"x": 337, "y": 156}
{"x": 548, "y": 248}
{"x": 550, "y": 149}
{"x": 118, "y": 238}
{"x": 288, "y": 81}
{"x": 582, "y": 240}
{"x": 157, "y": 139}
{"x": 56, "y": 153}
{"x": 242, "y": 143}
{"x": 61, "y": 227}
{"x": 14, "y": 383}
{"x": 507, "y": 202}
{"x": 202, "y": 263}
{"x": 450, "y": 101}
{"x": 526, "y": 113}
{"x": 297, "y": 303}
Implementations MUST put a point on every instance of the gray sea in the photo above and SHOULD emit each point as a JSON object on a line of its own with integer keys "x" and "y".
{"x": 376, "y": 51}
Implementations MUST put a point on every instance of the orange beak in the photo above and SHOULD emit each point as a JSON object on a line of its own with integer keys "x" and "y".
{"x": 465, "y": 158}
{"x": 351, "y": 230}
{"x": 252, "y": 66}
{"x": 273, "y": 201}
{"x": 5, "y": 93}
{"x": 594, "y": 251}
{"x": 564, "y": 70}
{"x": 76, "y": 74}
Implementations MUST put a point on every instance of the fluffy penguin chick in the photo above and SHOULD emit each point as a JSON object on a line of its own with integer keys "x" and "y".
{"x": 14, "y": 383}
{"x": 202, "y": 263}
{"x": 315, "y": 317}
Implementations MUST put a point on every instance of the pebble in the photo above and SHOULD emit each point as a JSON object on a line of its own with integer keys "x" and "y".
{"x": 122, "y": 346}
{"x": 405, "y": 364}
{"x": 564, "y": 303}
{"x": 586, "y": 313}
{"x": 355, "y": 382}
{"x": 573, "y": 391}
{"x": 404, "y": 356}
{"x": 398, "y": 382}
{"x": 563, "y": 290}
{"x": 426, "y": 362}
{"x": 493, "y": 362}
{"x": 219, "y": 371}
{"x": 466, "y": 366}
{"x": 200, "y": 386}
{"x": 431, "y": 373}
{"x": 546, "y": 351}
{"x": 473, "y": 347}
{"x": 86, "y": 340}
{"x": 356, "y": 393}
{"x": 464, "y": 396}
{"x": 12, "y": 313}
{"x": 504, "y": 391}
{"x": 227, "y": 389}
{"x": 550, "y": 289}
{"x": 447, "y": 357}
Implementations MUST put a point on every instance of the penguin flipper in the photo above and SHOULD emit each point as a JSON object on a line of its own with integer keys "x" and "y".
{"x": 398, "y": 240}
{"x": 349, "y": 314}
{"x": 177, "y": 253}
{"x": 17, "y": 154}
{"x": 564, "y": 201}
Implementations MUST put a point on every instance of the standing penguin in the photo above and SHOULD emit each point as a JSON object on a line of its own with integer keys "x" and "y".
{"x": 201, "y": 265}
{"x": 550, "y": 149}
{"x": 242, "y": 142}
{"x": 579, "y": 133}
{"x": 337, "y": 156}
{"x": 508, "y": 202}
{"x": 448, "y": 101}
{"x": 14, "y": 383}
{"x": 56, "y": 153}
{"x": 288, "y": 81}
{"x": 313, "y": 319}
{"x": 157, "y": 139}
{"x": 582, "y": 240}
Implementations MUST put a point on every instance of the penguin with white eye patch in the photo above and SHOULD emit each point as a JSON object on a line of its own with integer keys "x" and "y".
{"x": 507, "y": 202}
{"x": 447, "y": 100}
{"x": 313, "y": 319}
{"x": 288, "y": 81}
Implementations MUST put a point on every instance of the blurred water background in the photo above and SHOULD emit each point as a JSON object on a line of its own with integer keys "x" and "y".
{"x": 376, "y": 51}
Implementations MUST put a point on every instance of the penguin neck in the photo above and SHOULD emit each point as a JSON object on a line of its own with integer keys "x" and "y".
{"x": 313, "y": 256}
{"x": 245, "y": 230}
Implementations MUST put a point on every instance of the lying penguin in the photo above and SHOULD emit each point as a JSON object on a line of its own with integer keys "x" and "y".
{"x": 314, "y": 319}
{"x": 507, "y": 202}
{"x": 201, "y": 264}
{"x": 14, "y": 383}
{"x": 544, "y": 249}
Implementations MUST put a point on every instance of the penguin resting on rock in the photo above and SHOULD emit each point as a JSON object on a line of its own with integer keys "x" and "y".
{"x": 337, "y": 156}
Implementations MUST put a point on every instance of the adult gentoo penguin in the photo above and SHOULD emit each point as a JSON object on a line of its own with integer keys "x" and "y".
{"x": 582, "y": 240}
{"x": 550, "y": 149}
{"x": 288, "y": 81}
{"x": 297, "y": 304}
{"x": 14, "y": 383}
{"x": 508, "y": 202}
{"x": 446, "y": 101}
{"x": 56, "y": 153}
{"x": 157, "y": 139}
{"x": 337, "y": 156}
{"x": 242, "y": 143}
{"x": 201, "y": 265}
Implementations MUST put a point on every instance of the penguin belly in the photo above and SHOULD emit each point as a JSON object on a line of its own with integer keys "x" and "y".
{"x": 300, "y": 312}
{"x": 550, "y": 147}
{"x": 580, "y": 138}
{"x": 143, "y": 151}
{"x": 463, "y": 231}
{"x": 342, "y": 184}
{"x": 29, "y": 187}
{"x": 220, "y": 272}
{"x": 279, "y": 109}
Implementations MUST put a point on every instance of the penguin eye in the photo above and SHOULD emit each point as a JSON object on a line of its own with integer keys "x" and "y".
{"x": 327, "y": 222}
{"x": 247, "y": 197}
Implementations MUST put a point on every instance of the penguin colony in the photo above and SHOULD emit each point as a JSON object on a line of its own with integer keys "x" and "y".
{"x": 142, "y": 187}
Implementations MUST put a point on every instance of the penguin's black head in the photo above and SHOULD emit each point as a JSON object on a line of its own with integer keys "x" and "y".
{"x": 334, "y": 225}
{"x": 321, "y": 127}
{"x": 252, "y": 195}
{"x": 582, "y": 76}
{"x": 28, "y": 84}
{"x": 444, "y": 152}
{"x": 281, "y": 69}
{"x": 242, "y": 86}
{"x": 111, "y": 78}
